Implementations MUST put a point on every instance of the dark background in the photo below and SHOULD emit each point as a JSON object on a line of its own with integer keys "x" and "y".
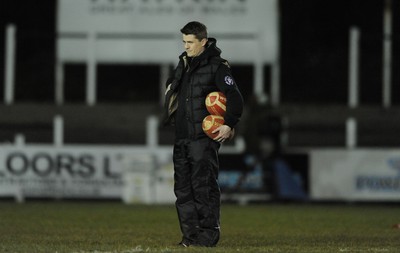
{"x": 314, "y": 56}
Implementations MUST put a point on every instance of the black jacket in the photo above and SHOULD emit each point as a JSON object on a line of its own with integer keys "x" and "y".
{"x": 193, "y": 79}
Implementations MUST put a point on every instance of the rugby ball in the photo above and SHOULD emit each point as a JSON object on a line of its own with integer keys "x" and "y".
{"x": 216, "y": 103}
{"x": 210, "y": 123}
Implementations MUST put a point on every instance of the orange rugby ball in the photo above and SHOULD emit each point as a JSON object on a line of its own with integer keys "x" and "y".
{"x": 210, "y": 123}
{"x": 216, "y": 103}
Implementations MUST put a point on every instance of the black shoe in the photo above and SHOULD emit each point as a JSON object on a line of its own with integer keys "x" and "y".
{"x": 184, "y": 243}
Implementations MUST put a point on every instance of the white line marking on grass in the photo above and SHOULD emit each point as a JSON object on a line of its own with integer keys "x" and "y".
{"x": 363, "y": 250}
{"x": 134, "y": 250}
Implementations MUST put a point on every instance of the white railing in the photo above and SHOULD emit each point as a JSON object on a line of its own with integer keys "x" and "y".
{"x": 9, "y": 69}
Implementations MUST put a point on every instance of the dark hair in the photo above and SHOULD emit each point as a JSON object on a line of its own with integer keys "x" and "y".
{"x": 198, "y": 29}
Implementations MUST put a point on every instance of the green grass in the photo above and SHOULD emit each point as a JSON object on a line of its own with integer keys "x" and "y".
{"x": 83, "y": 227}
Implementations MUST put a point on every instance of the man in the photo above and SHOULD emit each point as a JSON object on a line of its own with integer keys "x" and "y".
{"x": 200, "y": 71}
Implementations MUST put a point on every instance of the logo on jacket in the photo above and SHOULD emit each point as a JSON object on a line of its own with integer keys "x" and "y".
{"x": 229, "y": 80}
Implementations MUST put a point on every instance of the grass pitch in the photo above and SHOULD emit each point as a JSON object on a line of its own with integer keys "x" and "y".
{"x": 112, "y": 227}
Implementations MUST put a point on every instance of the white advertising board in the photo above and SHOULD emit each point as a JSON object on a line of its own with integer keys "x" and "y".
{"x": 94, "y": 172}
{"x": 148, "y": 31}
{"x": 364, "y": 175}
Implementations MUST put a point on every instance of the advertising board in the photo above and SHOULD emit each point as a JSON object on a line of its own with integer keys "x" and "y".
{"x": 135, "y": 30}
{"x": 355, "y": 175}
{"x": 92, "y": 172}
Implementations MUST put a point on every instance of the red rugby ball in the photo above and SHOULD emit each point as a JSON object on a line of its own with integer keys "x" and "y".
{"x": 216, "y": 103}
{"x": 210, "y": 123}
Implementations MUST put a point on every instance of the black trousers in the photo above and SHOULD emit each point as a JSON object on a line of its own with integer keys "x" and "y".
{"x": 197, "y": 191}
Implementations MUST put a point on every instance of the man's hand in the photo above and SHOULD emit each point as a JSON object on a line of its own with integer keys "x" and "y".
{"x": 224, "y": 133}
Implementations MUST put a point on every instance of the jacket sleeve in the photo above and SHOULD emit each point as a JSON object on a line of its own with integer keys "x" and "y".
{"x": 234, "y": 100}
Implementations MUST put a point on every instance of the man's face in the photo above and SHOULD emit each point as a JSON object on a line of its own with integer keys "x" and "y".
{"x": 193, "y": 46}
